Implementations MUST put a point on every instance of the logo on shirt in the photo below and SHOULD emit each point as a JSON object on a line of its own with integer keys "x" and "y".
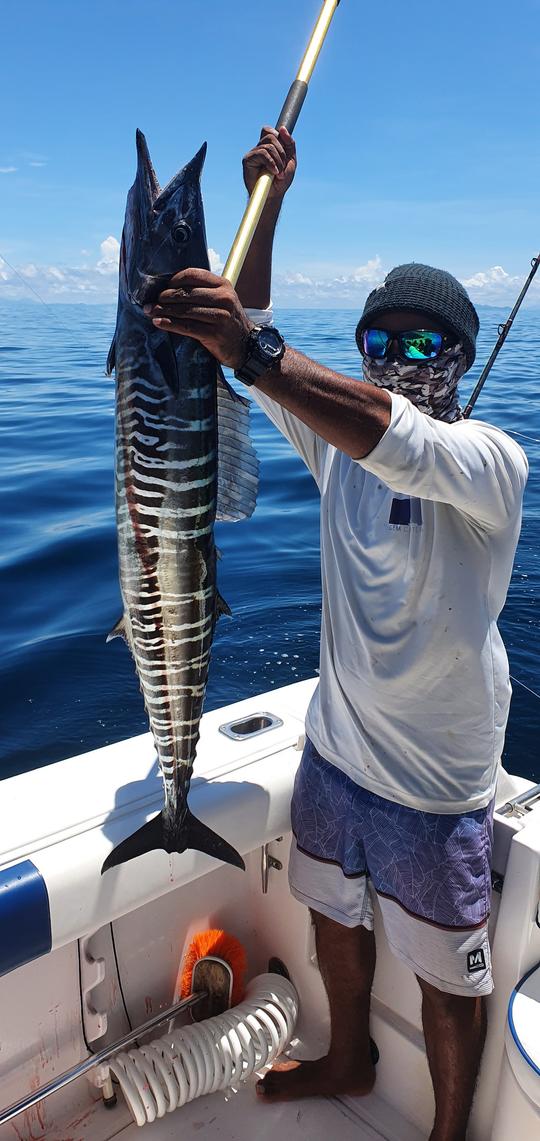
{"x": 476, "y": 961}
{"x": 405, "y": 511}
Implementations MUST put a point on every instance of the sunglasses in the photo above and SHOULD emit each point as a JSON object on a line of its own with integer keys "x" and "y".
{"x": 414, "y": 345}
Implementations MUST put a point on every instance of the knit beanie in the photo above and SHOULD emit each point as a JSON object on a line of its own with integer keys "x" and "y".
{"x": 435, "y": 292}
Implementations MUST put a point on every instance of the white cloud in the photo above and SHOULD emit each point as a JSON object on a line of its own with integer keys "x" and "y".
{"x": 8, "y": 169}
{"x": 372, "y": 272}
{"x": 216, "y": 264}
{"x": 347, "y": 289}
{"x": 95, "y": 282}
{"x": 297, "y": 279}
{"x": 495, "y": 286}
{"x": 110, "y": 253}
{"x": 494, "y": 276}
{"x": 37, "y": 164}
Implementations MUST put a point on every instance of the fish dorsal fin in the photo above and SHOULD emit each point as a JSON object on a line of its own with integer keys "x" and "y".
{"x": 238, "y": 466}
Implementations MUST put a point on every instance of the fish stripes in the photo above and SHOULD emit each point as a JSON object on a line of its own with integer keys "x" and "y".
{"x": 170, "y": 498}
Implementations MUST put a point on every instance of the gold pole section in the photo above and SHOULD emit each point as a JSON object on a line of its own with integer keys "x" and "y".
{"x": 289, "y": 115}
{"x": 316, "y": 42}
{"x": 246, "y": 230}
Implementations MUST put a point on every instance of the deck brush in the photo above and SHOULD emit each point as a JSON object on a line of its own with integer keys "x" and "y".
{"x": 216, "y": 963}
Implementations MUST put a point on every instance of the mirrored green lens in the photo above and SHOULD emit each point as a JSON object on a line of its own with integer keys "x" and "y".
{"x": 421, "y": 345}
{"x": 375, "y": 343}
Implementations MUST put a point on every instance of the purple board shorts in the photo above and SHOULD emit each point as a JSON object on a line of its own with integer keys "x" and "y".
{"x": 431, "y": 873}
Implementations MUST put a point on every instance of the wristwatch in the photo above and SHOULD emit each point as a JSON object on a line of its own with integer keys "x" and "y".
{"x": 265, "y": 348}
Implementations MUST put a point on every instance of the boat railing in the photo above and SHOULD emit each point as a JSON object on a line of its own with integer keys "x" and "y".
{"x": 520, "y": 805}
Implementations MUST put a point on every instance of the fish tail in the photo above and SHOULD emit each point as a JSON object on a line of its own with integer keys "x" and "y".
{"x": 193, "y": 834}
{"x": 200, "y": 837}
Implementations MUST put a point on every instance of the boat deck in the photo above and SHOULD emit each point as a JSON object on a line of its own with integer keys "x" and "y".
{"x": 242, "y": 1117}
{"x": 143, "y": 917}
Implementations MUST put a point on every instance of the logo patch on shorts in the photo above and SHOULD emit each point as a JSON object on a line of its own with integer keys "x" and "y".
{"x": 476, "y": 961}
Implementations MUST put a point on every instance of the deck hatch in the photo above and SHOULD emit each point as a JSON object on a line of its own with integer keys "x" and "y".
{"x": 247, "y": 727}
{"x": 25, "y": 920}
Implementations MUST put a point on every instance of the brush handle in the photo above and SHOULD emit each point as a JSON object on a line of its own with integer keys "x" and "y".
{"x": 97, "y": 1059}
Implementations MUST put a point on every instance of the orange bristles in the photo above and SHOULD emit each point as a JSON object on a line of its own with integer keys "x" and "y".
{"x": 224, "y": 947}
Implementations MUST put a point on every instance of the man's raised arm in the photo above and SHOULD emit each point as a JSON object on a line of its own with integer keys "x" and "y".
{"x": 274, "y": 154}
{"x": 349, "y": 414}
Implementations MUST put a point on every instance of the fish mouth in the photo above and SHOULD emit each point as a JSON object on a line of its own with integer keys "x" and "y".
{"x": 146, "y": 175}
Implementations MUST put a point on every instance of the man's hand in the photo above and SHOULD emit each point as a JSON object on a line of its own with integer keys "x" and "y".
{"x": 274, "y": 154}
{"x": 199, "y": 304}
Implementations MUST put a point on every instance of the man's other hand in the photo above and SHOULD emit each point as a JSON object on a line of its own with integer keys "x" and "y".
{"x": 199, "y": 304}
{"x": 274, "y": 154}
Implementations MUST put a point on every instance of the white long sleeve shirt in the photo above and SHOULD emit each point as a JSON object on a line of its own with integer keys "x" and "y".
{"x": 417, "y": 546}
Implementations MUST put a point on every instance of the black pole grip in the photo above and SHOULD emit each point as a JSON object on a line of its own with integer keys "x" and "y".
{"x": 288, "y": 116}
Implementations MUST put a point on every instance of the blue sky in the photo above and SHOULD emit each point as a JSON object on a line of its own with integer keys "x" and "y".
{"x": 418, "y": 140}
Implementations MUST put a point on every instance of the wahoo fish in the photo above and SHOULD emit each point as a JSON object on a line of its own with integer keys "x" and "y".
{"x": 183, "y": 460}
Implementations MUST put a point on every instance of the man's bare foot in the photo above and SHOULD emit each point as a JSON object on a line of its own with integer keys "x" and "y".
{"x": 322, "y": 1078}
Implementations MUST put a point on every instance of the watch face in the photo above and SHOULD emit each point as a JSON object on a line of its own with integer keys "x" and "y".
{"x": 270, "y": 341}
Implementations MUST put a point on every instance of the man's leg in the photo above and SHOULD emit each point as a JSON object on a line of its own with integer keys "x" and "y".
{"x": 455, "y": 1031}
{"x": 346, "y": 957}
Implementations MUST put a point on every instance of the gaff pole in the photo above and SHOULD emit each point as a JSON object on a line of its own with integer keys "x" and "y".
{"x": 503, "y": 333}
{"x": 288, "y": 118}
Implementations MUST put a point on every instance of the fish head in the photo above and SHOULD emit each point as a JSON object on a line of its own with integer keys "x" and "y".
{"x": 164, "y": 230}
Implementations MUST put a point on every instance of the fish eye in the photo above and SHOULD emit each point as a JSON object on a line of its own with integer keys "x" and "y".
{"x": 181, "y": 233}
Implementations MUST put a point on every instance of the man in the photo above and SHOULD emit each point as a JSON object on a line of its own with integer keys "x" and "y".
{"x": 420, "y": 517}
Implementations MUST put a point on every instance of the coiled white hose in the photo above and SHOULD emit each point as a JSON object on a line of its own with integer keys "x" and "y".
{"x": 211, "y": 1055}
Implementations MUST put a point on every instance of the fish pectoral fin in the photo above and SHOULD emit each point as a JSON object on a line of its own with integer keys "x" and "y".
{"x": 193, "y": 834}
{"x": 119, "y": 631}
{"x": 238, "y": 466}
{"x": 165, "y": 357}
{"x": 222, "y": 607}
{"x": 111, "y": 357}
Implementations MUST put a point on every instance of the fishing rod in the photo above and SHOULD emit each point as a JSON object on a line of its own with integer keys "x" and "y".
{"x": 503, "y": 333}
{"x": 288, "y": 117}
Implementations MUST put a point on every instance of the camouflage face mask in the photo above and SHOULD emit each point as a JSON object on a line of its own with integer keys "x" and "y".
{"x": 432, "y": 388}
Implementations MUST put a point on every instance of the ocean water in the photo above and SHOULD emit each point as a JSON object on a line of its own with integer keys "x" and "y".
{"x": 63, "y": 691}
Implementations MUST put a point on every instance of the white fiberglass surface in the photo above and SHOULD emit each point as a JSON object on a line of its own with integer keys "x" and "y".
{"x": 242, "y": 1117}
